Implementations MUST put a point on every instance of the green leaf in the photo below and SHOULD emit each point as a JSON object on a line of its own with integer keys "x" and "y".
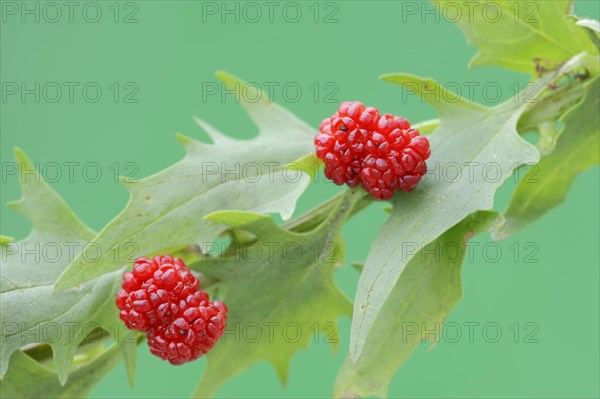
{"x": 27, "y": 378}
{"x": 546, "y": 185}
{"x": 427, "y": 127}
{"x": 481, "y": 145}
{"x": 282, "y": 284}
{"x": 423, "y": 297}
{"x": 308, "y": 164}
{"x": 32, "y": 311}
{"x": 516, "y": 34}
{"x": 166, "y": 209}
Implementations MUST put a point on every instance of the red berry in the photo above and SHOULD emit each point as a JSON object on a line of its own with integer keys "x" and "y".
{"x": 161, "y": 297}
{"x": 383, "y": 153}
{"x": 189, "y": 337}
{"x": 152, "y": 291}
{"x": 341, "y": 142}
{"x": 396, "y": 158}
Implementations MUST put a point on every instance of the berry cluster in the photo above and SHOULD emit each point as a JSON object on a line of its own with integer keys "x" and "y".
{"x": 161, "y": 298}
{"x": 381, "y": 152}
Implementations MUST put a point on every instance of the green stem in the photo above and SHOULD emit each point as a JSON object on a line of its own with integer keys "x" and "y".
{"x": 343, "y": 209}
{"x": 317, "y": 215}
{"x": 330, "y": 227}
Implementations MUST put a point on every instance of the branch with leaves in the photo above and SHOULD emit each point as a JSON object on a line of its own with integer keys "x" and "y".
{"x": 188, "y": 204}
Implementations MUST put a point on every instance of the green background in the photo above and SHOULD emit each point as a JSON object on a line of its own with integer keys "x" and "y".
{"x": 171, "y": 54}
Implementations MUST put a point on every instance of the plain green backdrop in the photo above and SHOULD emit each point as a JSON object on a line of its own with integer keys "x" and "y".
{"x": 155, "y": 61}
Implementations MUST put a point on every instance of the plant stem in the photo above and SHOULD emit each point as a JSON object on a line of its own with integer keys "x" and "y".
{"x": 317, "y": 215}
{"x": 343, "y": 209}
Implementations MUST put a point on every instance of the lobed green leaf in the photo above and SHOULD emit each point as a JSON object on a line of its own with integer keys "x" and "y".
{"x": 165, "y": 210}
{"x": 279, "y": 287}
{"x": 32, "y": 312}
{"x": 474, "y": 141}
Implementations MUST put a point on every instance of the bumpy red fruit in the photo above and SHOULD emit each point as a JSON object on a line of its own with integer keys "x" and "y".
{"x": 383, "y": 153}
{"x": 160, "y": 296}
{"x": 152, "y": 292}
{"x": 190, "y": 336}
{"x": 395, "y": 158}
{"x": 341, "y": 142}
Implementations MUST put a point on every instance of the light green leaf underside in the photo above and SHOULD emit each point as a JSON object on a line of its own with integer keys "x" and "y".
{"x": 423, "y": 297}
{"x": 469, "y": 134}
{"x": 289, "y": 288}
{"x": 27, "y": 378}
{"x": 166, "y": 209}
{"x": 511, "y": 34}
{"x": 545, "y": 186}
{"x": 32, "y": 311}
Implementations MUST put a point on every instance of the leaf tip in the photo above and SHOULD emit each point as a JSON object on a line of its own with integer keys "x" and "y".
{"x": 243, "y": 90}
{"x": 389, "y": 77}
{"x": 20, "y": 154}
{"x": 308, "y": 164}
{"x": 231, "y": 81}
{"x": 23, "y": 162}
{"x": 281, "y": 368}
{"x": 63, "y": 359}
{"x": 6, "y": 239}
{"x": 184, "y": 140}
{"x": 226, "y": 77}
